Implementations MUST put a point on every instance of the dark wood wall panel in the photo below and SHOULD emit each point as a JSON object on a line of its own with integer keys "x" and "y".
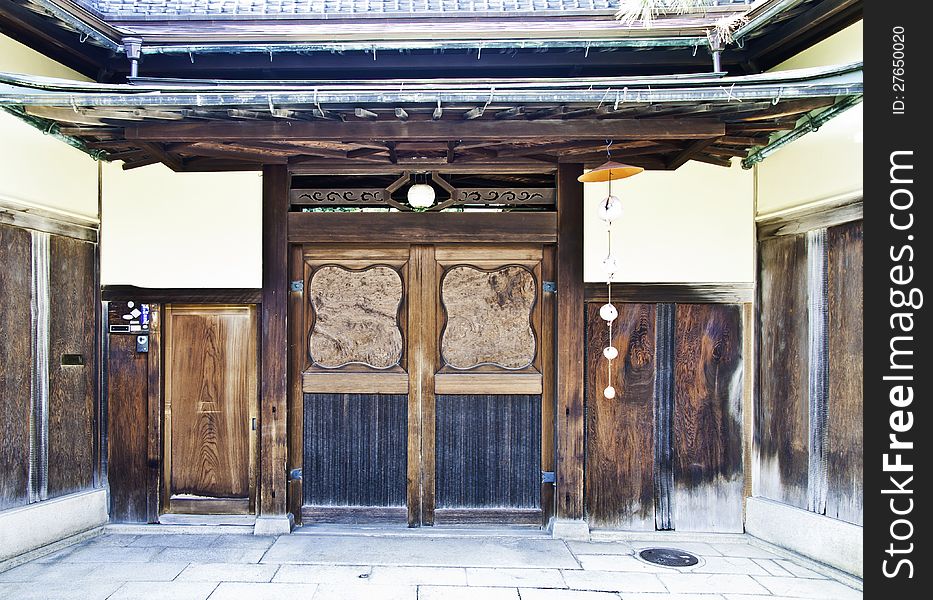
{"x": 781, "y": 434}
{"x": 72, "y": 331}
{"x": 620, "y": 444}
{"x": 707, "y": 422}
{"x": 844, "y": 417}
{"x": 488, "y": 451}
{"x": 128, "y": 430}
{"x": 15, "y": 364}
{"x": 355, "y": 451}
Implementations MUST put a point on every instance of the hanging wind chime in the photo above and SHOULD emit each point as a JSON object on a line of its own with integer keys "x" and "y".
{"x": 609, "y": 210}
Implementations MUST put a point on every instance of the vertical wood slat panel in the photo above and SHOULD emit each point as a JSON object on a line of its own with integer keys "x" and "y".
{"x": 844, "y": 416}
{"x": 127, "y": 426}
{"x": 620, "y": 441}
{"x": 664, "y": 418}
{"x": 72, "y": 330}
{"x": 15, "y": 364}
{"x": 355, "y": 449}
{"x": 488, "y": 451}
{"x": 707, "y": 432}
{"x": 782, "y": 407}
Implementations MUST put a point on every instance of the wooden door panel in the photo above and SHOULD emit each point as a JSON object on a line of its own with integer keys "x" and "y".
{"x": 210, "y": 404}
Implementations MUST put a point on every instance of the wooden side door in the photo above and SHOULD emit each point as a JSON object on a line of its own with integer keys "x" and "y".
{"x": 210, "y": 409}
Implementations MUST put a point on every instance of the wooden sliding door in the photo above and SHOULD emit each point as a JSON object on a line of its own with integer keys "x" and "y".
{"x": 422, "y": 383}
{"x": 211, "y": 390}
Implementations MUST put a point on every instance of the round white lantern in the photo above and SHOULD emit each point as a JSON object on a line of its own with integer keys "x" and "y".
{"x": 421, "y": 195}
{"x": 608, "y": 312}
{"x": 610, "y": 352}
{"x": 609, "y": 393}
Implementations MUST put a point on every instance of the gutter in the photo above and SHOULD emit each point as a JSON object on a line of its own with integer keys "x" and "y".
{"x": 759, "y": 20}
{"x": 810, "y": 123}
{"x": 49, "y": 127}
{"x": 85, "y": 30}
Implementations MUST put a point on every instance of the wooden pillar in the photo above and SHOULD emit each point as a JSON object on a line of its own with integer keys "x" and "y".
{"x": 570, "y": 353}
{"x": 273, "y": 516}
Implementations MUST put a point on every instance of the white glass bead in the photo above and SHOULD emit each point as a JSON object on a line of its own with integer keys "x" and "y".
{"x": 611, "y": 265}
{"x": 608, "y": 312}
{"x": 609, "y": 393}
{"x": 609, "y": 209}
{"x": 610, "y": 352}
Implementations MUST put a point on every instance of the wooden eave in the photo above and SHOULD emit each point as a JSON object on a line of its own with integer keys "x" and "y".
{"x": 443, "y": 125}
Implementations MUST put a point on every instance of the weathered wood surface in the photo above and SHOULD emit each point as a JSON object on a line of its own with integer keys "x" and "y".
{"x": 168, "y": 295}
{"x": 157, "y": 414}
{"x": 127, "y": 427}
{"x": 546, "y": 361}
{"x": 211, "y": 387}
{"x": 620, "y": 443}
{"x": 72, "y": 330}
{"x": 782, "y": 409}
{"x": 792, "y": 222}
{"x": 570, "y": 339}
{"x": 707, "y": 424}
{"x": 844, "y": 429}
{"x": 422, "y": 228}
{"x": 355, "y": 450}
{"x": 488, "y": 455}
{"x": 356, "y": 317}
{"x": 693, "y": 293}
{"x": 16, "y": 357}
{"x": 488, "y": 317}
{"x": 274, "y": 343}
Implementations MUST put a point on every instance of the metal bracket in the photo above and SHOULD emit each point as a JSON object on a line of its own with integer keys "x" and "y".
{"x": 294, "y": 475}
{"x": 297, "y": 286}
{"x": 548, "y": 477}
{"x": 549, "y": 287}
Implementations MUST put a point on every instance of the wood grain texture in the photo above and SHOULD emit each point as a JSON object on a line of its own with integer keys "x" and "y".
{"x": 72, "y": 330}
{"x": 688, "y": 293}
{"x": 845, "y": 436}
{"x": 488, "y": 383}
{"x": 355, "y": 450}
{"x": 707, "y": 432}
{"x": 423, "y": 228}
{"x": 488, "y": 455}
{"x": 620, "y": 465}
{"x": 274, "y": 343}
{"x": 488, "y": 317}
{"x": 297, "y": 361}
{"x": 356, "y": 317}
{"x": 154, "y": 444}
{"x": 546, "y": 357}
{"x": 189, "y": 295}
{"x": 782, "y": 419}
{"x": 127, "y": 426}
{"x": 570, "y": 339}
{"x": 210, "y": 375}
{"x": 16, "y": 357}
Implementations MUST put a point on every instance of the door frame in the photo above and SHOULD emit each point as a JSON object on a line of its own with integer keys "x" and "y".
{"x": 422, "y": 232}
{"x": 212, "y": 506}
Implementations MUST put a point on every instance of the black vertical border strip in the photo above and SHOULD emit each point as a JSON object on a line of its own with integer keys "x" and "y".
{"x": 664, "y": 417}
{"x": 886, "y": 133}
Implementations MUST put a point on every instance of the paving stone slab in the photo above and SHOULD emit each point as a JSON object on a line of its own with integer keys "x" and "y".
{"x": 365, "y": 591}
{"x": 742, "y": 550}
{"x": 691, "y": 583}
{"x": 48, "y": 572}
{"x": 772, "y": 567}
{"x": 59, "y": 590}
{"x": 815, "y": 589}
{"x": 173, "y": 540}
{"x": 264, "y": 591}
{"x": 613, "y": 581}
{"x": 798, "y": 570}
{"x": 164, "y": 590}
{"x": 156, "y": 571}
{"x": 539, "y": 594}
{"x": 218, "y": 572}
{"x": 418, "y": 576}
{"x": 422, "y": 551}
{"x": 427, "y": 592}
{"x": 601, "y": 547}
{"x": 210, "y": 555}
{"x": 538, "y": 578}
{"x": 729, "y": 564}
{"x": 322, "y": 574}
{"x": 603, "y": 562}
{"x": 681, "y": 597}
{"x": 102, "y": 554}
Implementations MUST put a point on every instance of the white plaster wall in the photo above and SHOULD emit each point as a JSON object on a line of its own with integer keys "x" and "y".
{"x": 826, "y": 163}
{"x": 37, "y": 169}
{"x": 694, "y": 224}
{"x": 167, "y": 229}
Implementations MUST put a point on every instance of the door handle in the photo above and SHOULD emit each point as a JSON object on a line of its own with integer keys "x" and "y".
{"x": 253, "y": 424}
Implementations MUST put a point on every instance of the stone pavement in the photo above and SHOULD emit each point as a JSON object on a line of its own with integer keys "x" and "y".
{"x": 334, "y": 564}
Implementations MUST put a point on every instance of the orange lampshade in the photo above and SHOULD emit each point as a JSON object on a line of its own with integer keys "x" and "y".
{"x": 608, "y": 171}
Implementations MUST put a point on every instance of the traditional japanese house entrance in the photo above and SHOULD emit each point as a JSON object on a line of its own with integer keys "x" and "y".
{"x": 422, "y": 379}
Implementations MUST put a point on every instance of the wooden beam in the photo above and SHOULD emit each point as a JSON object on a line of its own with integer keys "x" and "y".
{"x": 570, "y": 327}
{"x": 273, "y": 411}
{"x": 651, "y": 293}
{"x": 691, "y": 151}
{"x": 619, "y": 129}
{"x": 184, "y": 295}
{"x": 154, "y": 411}
{"x": 172, "y": 162}
{"x": 423, "y": 228}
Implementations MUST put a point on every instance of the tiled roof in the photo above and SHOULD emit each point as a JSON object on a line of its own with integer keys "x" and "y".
{"x": 281, "y": 8}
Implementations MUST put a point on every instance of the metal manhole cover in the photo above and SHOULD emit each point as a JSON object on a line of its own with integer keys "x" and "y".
{"x": 669, "y": 557}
